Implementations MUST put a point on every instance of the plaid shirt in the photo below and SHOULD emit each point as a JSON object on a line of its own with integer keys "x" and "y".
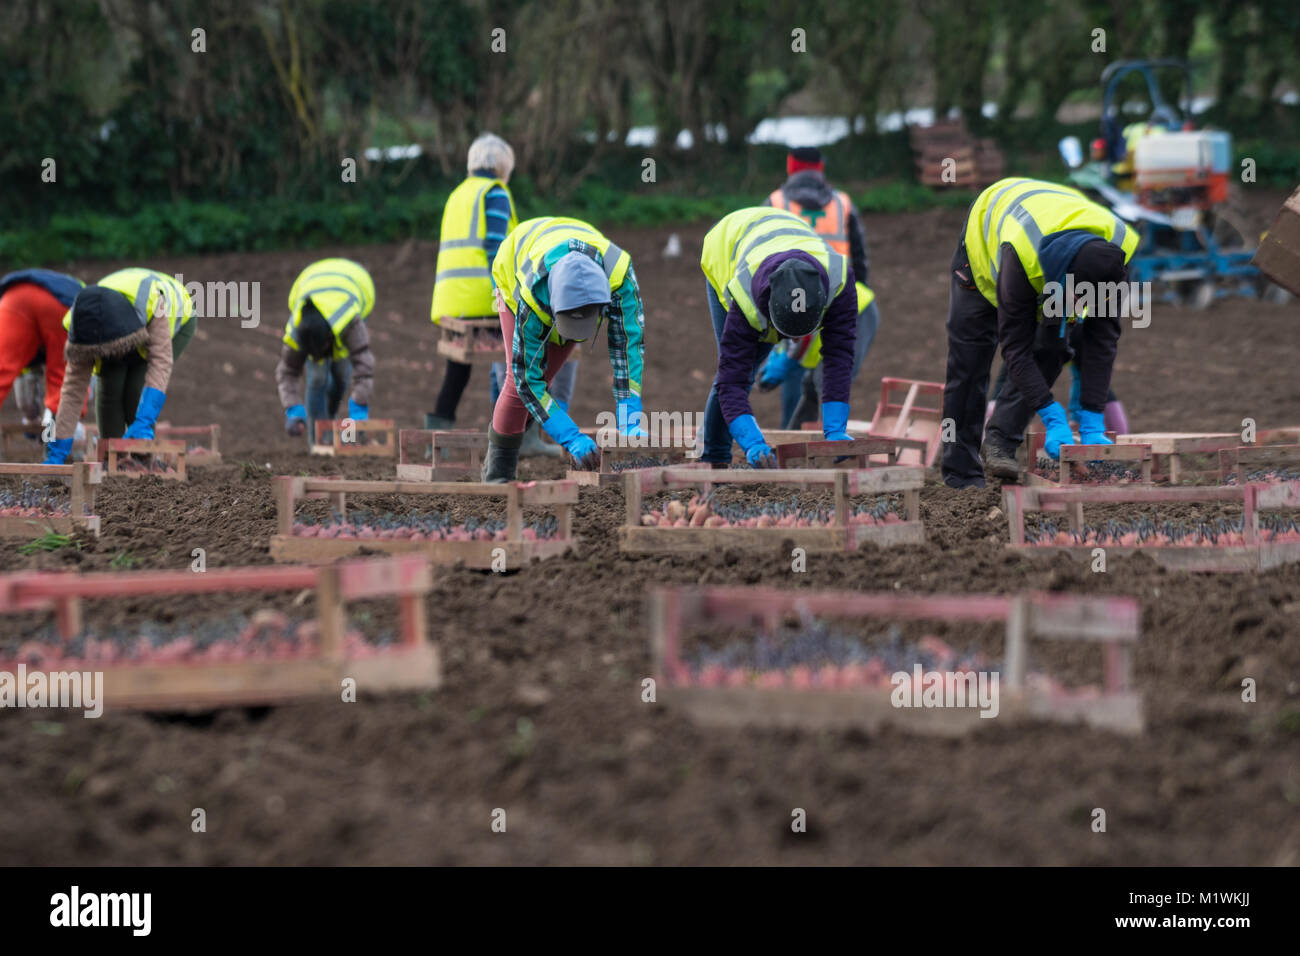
{"x": 625, "y": 324}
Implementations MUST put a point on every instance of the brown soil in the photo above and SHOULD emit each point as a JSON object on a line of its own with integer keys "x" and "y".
{"x": 541, "y": 712}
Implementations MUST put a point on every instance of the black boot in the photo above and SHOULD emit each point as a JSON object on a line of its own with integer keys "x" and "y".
{"x": 435, "y": 422}
{"x": 999, "y": 461}
{"x": 502, "y": 459}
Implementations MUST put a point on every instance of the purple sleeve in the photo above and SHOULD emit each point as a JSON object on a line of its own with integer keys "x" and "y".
{"x": 839, "y": 334}
{"x": 736, "y": 354}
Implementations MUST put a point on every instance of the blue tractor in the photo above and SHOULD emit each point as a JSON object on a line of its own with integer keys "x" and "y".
{"x": 1155, "y": 171}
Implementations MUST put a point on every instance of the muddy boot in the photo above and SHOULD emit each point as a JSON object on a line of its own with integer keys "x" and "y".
{"x": 437, "y": 423}
{"x": 502, "y": 459}
{"x": 999, "y": 462}
{"x": 534, "y": 446}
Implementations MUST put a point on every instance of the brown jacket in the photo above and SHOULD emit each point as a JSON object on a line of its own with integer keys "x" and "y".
{"x": 76, "y": 379}
{"x": 356, "y": 339}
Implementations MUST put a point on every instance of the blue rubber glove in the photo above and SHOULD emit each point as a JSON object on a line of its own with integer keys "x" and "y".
{"x": 776, "y": 369}
{"x": 1076, "y": 389}
{"x": 630, "y": 417}
{"x": 57, "y": 452}
{"x": 1058, "y": 429}
{"x": 835, "y": 421}
{"x": 1092, "y": 428}
{"x": 358, "y": 413}
{"x": 295, "y": 420}
{"x": 757, "y": 451}
{"x": 146, "y": 414}
{"x": 561, "y": 428}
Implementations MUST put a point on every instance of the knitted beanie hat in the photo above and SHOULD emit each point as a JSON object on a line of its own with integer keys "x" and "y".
{"x": 104, "y": 325}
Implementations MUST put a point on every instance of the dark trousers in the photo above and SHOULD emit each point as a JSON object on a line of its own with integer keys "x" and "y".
{"x": 121, "y": 381}
{"x": 1051, "y": 354}
{"x": 327, "y": 383}
{"x": 454, "y": 380}
{"x": 717, "y": 436}
{"x": 972, "y": 346}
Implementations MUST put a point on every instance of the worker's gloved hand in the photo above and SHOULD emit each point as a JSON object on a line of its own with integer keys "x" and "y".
{"x": 358, "y": 413}
{"x": 747, "y": 434}
{"x": 775, "y": 370}
{"x": 57, "y": 452}
{"x": 1092, "y": 428}
{"x": 1058, "y": 429}
{"x": 295, "y": 420}
{"x": 835, "y": 421}
{"x": 631, "y": 420}
{"x": 146, "y": 414}
{"x": 1076, "y": 390}
{"x": 561, "y": 428}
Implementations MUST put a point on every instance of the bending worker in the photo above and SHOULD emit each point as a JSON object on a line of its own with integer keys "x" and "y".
{"x": 326, "y": 334}
{"x": 32, "y": 306}
{"x": 795, "y": 365}
{"x": 129, "y": 328}
{"x": 770, "y": 277}
{"x": 556, "y": 280}
{"x": 1023, "y": 236}
{"x": 479, "y": 214}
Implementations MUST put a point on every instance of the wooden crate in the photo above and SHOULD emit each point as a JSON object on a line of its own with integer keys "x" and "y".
{"x": 202, "y": 442}
{"x": 373, "y": 438}
{"x": 557, "y": 496}
{"x": 857, "y": 453}
{"x": 614, "y": 464}
{"x": 117, "y": 451}
{"x": 84, "y": 479}
{"x": 1081, "y": 454}
{"x": 839, "y": 536}
{"x": 472, "y": 341}
{"x": 200, "y": 685}
{"x": 1115, "y": 623}
{"x": 1261, "y": 457}
{"x": 1174, "y": 452}
{"x": 15, "y": 445}
{"x": 424, "y": 455}
{"x": 910, "y": 413}
{"x": 1254, "y": 555}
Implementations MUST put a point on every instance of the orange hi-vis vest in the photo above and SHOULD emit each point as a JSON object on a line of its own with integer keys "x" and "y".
{"x": 831, "y": 222}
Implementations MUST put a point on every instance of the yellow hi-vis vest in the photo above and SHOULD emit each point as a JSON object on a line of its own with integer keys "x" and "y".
{"x": 342, "y": 292}
{"x": 737, "y": 245}
{"x": 519, "y": 266}
{"x": 813, "y": 353}
{"x": 1022, "y": 212}
{"x": 151, "y": 293}
{"x": 463, "y": 286}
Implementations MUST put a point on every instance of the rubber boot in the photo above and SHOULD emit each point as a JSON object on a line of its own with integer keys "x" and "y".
{"x": 534, "y": 446}
{"x": 437, "y": 423}
{"x": 999, "y": 462}
{"x": 1115, "y": 418}
{"x": 501, "y": 462}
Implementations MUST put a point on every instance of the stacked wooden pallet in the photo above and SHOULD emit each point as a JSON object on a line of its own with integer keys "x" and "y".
{"x": 948, "y": 155}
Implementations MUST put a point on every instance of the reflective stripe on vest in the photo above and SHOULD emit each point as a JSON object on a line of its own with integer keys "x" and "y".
{"x": 521, "y": 263}
{"x": 327, "y": 278}
{"x": 836, "y": 234}
{"x": 834, "y": 265}
{"x": 463, "y": 283}
{"x": 1075, "y": 211}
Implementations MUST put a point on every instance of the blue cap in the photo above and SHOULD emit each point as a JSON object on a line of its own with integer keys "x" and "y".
{"x": 576, "y": 281}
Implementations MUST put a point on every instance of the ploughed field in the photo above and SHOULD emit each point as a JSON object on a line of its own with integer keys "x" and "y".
{"x": 541, "y": 710}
